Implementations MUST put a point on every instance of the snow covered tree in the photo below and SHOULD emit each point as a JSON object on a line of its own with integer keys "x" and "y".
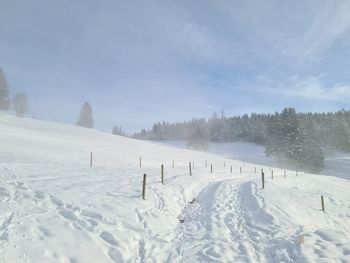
{"x": 293, "y": 140}
{"x": 216, "y": 127}
{"x": 284, "y": 135}
{"x": 198, "y": 136}
{"x": 341, "y": 132}
{"x": 291, "y": 130}
{"x": 85, "y": 118}
{"x": 311, "y": 156}
{"x": 118, "y": 130}
{"x": 4, "y": 92}
{"x": 20, "y": 104}
{"x": 300, "y": 138}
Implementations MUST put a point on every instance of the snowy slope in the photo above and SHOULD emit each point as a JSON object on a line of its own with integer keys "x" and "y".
{"x": 55, "y": 208}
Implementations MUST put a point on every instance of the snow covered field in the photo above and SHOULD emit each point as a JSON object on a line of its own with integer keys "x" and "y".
{"x": 55, "y": 208}
{"x": 240, "y": 151}
{"x": 336, "y": 164}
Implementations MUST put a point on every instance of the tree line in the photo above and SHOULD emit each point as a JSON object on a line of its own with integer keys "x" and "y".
{"x": 19, "y": 102}
{"x": 299, "y": 138}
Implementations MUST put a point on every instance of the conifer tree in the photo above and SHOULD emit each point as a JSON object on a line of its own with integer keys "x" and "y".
{"x": 20, "y": 104}
{"x": 118, "y": 130}
{"x": 198, "y": 136}
{"x": 85, "y": 118}
{"x": 4, "y": 92}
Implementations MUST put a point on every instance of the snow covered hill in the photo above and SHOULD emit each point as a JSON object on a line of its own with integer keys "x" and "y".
{"x": 336, "y": 163}
{"x": 54, "y": 207}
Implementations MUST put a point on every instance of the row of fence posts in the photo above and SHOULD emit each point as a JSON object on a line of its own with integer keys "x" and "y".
{"x": 206, "y": 165}
{"x": 263, "y": 175}
{"x": 284, "y": 173}
{"x": 191, "y": 166}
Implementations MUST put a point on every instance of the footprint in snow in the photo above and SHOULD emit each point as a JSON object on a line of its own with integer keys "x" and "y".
{"x": 39, "y": 194}
{"x": 46, "y": 232}
{"x": 109, "y": 238}
{"x": 115, "y": 255}
{"x": 113, "y": 252}
{"x": 68, "y": 215}
{"x": 4, "y": 195}
{"x": 56, "y": 201}
{"x": 92, "y": 214}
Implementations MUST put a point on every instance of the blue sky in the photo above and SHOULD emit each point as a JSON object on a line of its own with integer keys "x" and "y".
{"x": 138, "y": 62}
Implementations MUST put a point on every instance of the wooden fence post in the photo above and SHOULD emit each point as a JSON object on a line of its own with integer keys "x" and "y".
{"x": 162, "y": 173}
{"x": 255, "y": 169}
{"x": 144, "y": 187}
{"x": 240, "y": 169}
{"x": 190, "y": 167}
{"x": 140, "y": 162}
{"x": 272, "y": 174}
{"x": 262, "y": 178}
{"x": 296, "y": 173}
{"x": 231, "y": 169}
{"x": 322, "y": 203}
{"x": 211, "y": 168}
{"x": 91, "y": 159}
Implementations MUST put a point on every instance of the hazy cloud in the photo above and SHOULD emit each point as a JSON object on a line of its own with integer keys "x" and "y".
{"x": 175, "y": 59}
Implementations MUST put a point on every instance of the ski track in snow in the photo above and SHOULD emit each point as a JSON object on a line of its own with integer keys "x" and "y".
{"x": 229, "y": 223}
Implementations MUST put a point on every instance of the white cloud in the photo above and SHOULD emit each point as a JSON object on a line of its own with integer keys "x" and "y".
{"x": 306, "y": 88}
{"x": 327, "y": 24}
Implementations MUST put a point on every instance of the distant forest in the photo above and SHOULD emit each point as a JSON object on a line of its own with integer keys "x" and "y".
{"x": 300, "y": 138}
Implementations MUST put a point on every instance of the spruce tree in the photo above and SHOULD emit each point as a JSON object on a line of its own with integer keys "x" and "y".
{"x": 341, "y": 134}
{"x": 198, "y": 136}
{"x": 291, "y": 130}
{"x": 4, "y": 92}
{"x": 311, "y": 156}
{"x": 85, "y": 118}
{"x": 20, "y": 104}
{"x": 118, "y": 130}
